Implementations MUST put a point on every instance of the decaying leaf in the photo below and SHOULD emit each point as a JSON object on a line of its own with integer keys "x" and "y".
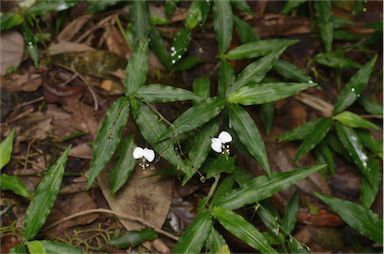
{"x": 12, "y": 50}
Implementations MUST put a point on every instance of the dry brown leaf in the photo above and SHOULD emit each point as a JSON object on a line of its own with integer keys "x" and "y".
{"x": 73, "y": 28}
{"x": 83, "y": 151}
{"x": 275, "y": 24}
{"x": 83, "y": 117}
{"x": 145, "y": 197}
{"x": 12, "y": 50}
{"x": 35, "y": 126}
{"x": 67, "y": 47}
{"x": 115, "y": 42}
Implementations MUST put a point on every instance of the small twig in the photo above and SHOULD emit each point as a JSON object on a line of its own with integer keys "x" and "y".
{"x": 97, "y": 26}
{"x": 121, "y": 216}
{"x": 29, "y": 102}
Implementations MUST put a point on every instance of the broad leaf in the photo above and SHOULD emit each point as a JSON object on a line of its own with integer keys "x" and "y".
{"x": 249, "y": 135}
{"x": 202, "y": 88}
{"x": 258, "y": 48}
{"x": 268, "y": 92}
{"x": 318, "y": 133}
{"x": 197, "y": 13}
{"x": 261, "y": 187}
{"x": 354, "y": 87}
{"x": 242, "y": 229}
{"x": 325, "y": 23}
{"x": 291, "y": 72}
{"x": 51, "y": 247}
{"x": 355, "y": 121}
{"x": 368, "y": 191}
{"x": 44, "y": 197}
{"x": 194, "y": 237}
{"x": 139, "y": 13}
{"x": 180, "y": 44}
{"x": 35, "y": 247}
{"x": 162, "y": 93}
{"x": 216, "y": 243}
{"x": 137, "y": 68}
{"x": 133, "y": 238}
{"x": 14, "y": 184}
{"x": 299, "y": 132}
{"x": 159, "y": 48}
{"x": 108, "y": 137}
{"x": 9, "y": 20}
{"x": 223, "y": 23}
{"x": 124, "y": 166}
{"x": 223, "y": 189}
{"x": 195, "y": 117}
{"x": 358, "y": 217}
{"x": 6, "y": 147}
{"x": 219, "y": 165}
{"x": 334, "y": 61}
{"x": 289, "y": 220}
{"x": 244, "y": 31}
{"x": 226, "y": 77}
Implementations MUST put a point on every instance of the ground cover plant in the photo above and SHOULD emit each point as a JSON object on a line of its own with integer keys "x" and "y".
{"x": 191, "y": 126}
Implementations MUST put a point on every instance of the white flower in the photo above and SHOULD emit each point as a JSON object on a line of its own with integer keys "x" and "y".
{"x": 145, "y": 153}
{"x": 217, "y": 144}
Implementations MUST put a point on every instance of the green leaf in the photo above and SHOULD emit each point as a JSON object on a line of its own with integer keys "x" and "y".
{"x": 355, "y": 121}
{"x": 216, "y": 243}
{"x": 256, "y": 71}
{"x": 133, "y": 238}
{"x": 140, "y": 19}
{"x": 108, "y": 137}
{"x": 40, "y": 8}
{"x": 44, "y": 197}
{"x": 352, "y": 144}
{"x": 20, "y": 248}
{"x": 197, "y": 13}
{"x": 223, "y": 23}
{"x": 202, "y": 88}
{"x": 222, "y": 189}
{"x": 324, "y": 20}
{"x": 15, "y": 184}
{"x": 289, "y": 219}
{"x": 334, "y": 61}
{"x": 6, "y": 147}
{"x": 369, "y": 141}
{"x": 187, "y": 63}
{"x": 244, "y": 31}
{"x": 261, "y": 187}
{"x": 318, "y": 133}
{"x": 327, "y": 155}
{"x": 162, "y": 93}
{"x": 299, "y": 132}
{"x": 354, "y": 87}
{"x": 35, "y": 247}
{"x": 195, "y": 117}
{"x": 98, "y": 6}
{"x": 334, "y": 143}
{"x": 254, "y": 94}
{"x": 358, "y": 217}
{"x": 219, "y": 165}
{"x": 31, "y": 44}
{"x": 242, "y": 229}
{"x": 53, "y": 247}
{"x": 158, "y": 46}
{"x": 226, "y": 77}
{"x": 368, "y": 191}
{"x": 124, "y": 166}
{"x": 201, "y": 146}
{"x": 137, "y": 68}
{"x": 294, "y": 246}
{"x": 291, "y": 72}
{"x": 9, "y": 20}
{"x": 269, "y": 217}
{"x": 371, "y": 106}
{"x": 194, "y": 237}
{"x": 249, "y": 135}
{"x": 291, "y": 5}
{"x": 169, "y": 6}
{"x": 151, "y": 128}
{"x": 242, "y": 5}
{"x": 180, "y": 44}
{"x": 258, "y": 48}
{"x": 267, "y": 111}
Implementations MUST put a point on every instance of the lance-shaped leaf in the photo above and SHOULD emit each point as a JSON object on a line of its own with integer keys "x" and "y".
{"x": 242, "y": 229}
{"x": 352, "y": 144}
{"x": 267, "y": 112}
{"x": 139, "y": 13}
{"x": 354, "y": 87}
{"x": 194, "y": 237}
{"x": 358, "y": 217}
{"x": 195, "y": 117}
{"x": 258, "y": 48}
{"x": 151, "y": 127}
{"x": 355, "y": 121}
{"x": 124, "y": 166}
{"x": 291, "y": 72}
{"x": 261, "y": 187}
{"x": 289, "y": 220}
{"x": 262, "y": 93}
{"x": 368, "y": 191}
{"x": 134, "y": 238}
{"x": 51, "y": 247}
{"x": 201, "y": 146}
{"x": 256, "y": 71}
{"x": 216, "y": 243}
{"x": 325, "y": 23}
{"x": 313, "y": 138}
{"x": 31, "y": 43}
{"x": 223, "y": 23}
{"x": 6, "y": 147}
{"x": 226, "y": 77}
{"x": 291, "y": 5}
{"x": 35, "y": 247}
{"x": 180, "y": 44}
{"x": 242, "y": 5}
{"x": 14, "y": 184}
{"x": 197, "y": 13}
{"x": 202, "y": 88}
{"x": 299, "y": 132}
{"x": 249, "y": 135}
{"x": 137, "y": 68}
{"x": 44, "y": 197}
{"x": 327, "y": 155}
{"x": 162, "y": 93}
{"x": 371, "y": 106}
{"x": 369, "y": 141}
{"x": 159, "y": 48}
{"x": 334, "y": 61}
{"x": 223, "y": 189}
{"x": 244, "y": 31}
{"x": 9, "y": 20}
{"x": 108, "y": 137}
{"x": 187, "y": 63}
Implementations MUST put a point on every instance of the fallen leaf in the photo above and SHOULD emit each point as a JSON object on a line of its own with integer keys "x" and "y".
{"x": 26, "y": 82}
{"x": 73, "y": 28}
{"x": 83, "y": 151}
{"x": 115, "y": 42}
{"x": 35, "y": 126}
{"x": 66, "y": 46}
{"x": 12, "y": 50}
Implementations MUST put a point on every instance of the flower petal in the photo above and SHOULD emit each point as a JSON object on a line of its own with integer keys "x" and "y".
{"x": 216, "y": 145}
{"x": 138, "y": 153}
{"x": 149, "y": 154}
{"x": 225, "y": 137}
